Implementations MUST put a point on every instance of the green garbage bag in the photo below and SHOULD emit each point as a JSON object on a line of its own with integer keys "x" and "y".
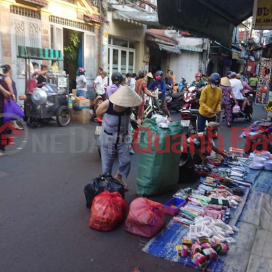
{"x": 158, "y": 172}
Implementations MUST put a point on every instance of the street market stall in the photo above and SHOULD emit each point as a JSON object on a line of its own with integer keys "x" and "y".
{"x": 49, "y": 102}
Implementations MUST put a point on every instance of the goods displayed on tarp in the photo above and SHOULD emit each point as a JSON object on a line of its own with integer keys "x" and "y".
{"x": 108, "y": 210}
{"x": 260, "y": 160}
{"x": 145, "y": 218}
{"x": 100, "y": 184}
{"x": 158, "y": 171}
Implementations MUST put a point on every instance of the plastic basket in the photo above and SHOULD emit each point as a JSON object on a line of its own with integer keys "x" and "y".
{"x": 177, "y": 202}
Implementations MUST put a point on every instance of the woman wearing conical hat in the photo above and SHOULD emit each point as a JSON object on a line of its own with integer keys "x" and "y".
{"x": 116, "y": 118}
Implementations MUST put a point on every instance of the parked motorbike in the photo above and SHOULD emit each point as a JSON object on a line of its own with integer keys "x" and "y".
{"x": 174, "y": 100}
{"x": 153, "y": 105}
{"x": 190, "y": 115}
{"x": 190, "y": 99}
{"x": 182, "y": 84}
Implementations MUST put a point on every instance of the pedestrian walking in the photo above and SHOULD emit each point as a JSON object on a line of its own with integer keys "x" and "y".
{"x": 225, "y": 86}
{"x": 10, "y": 85}
{"x": 131, "y": 82}
{"x": 210, "y": 102}
{"x": 116, "y": 79}
{"x": 81, "y": 82}
{"x": 3, "y": 94}
{"x": 141, "y": 90}
{"x": 100, "y": 85}
{"x": 116, "y": 118}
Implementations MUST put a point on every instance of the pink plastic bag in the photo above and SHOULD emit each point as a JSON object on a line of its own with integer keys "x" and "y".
{"x": 236, "y": 109}
{"x": 145, "y": 218}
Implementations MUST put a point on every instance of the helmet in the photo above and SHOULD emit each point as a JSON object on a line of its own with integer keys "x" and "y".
{"x": 159, "y": 75}
{"x": 117, "y": 78}
{"x": 215, "y": 79}
{"x": 198, "y": 75}
{"x": 80, "y": 70}
{"x": 142, "y": 73}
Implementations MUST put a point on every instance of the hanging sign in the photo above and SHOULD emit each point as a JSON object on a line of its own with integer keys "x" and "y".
{"x": 262, "y": 14}
{"x": 262, "y": 92}
{"x": 62, "y": 82}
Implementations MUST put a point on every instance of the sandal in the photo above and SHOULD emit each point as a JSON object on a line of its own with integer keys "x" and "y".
{"x": 119, "y": 178}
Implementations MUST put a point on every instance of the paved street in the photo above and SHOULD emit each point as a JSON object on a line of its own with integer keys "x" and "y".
{"x": 44, "y": 221}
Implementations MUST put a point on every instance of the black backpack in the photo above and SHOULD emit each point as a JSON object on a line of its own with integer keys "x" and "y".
{"x": 100, "y": 184}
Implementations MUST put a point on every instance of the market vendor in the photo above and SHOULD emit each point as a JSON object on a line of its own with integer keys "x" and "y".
{"x": 31, "y": 73}
{"x": 116, "y": 118}
{"x": 200, "y": 154}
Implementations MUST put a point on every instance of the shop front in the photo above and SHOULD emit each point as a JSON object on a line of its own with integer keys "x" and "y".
{"x": 43, "y": 26}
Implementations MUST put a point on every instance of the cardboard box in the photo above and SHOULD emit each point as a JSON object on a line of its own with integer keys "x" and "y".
{"x": 74, "y": 92}
{"x": 80, "y": 116}
{"x": 81, "y": 104}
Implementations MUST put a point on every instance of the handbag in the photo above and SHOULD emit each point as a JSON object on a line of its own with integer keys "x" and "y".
{"x": 11, "y": 107}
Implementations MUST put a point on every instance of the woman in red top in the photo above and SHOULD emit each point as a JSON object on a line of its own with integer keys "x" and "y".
{"x": 141, "y": 90}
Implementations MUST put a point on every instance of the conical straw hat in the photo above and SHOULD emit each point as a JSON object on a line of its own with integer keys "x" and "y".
{"x": 150, "y": 75}
{"x": 125, "y": 97}
{"x": 225, "y": 82}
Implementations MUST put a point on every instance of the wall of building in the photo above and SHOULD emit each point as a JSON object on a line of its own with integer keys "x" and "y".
{"x": 5, "y": 32}
{"x": 185, "y": 65}
{"x": 132, "y": 32}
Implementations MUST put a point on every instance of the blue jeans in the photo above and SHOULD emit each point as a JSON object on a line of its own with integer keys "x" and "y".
{"x": 81, "y": 93}
{"x": 202, "y": 122}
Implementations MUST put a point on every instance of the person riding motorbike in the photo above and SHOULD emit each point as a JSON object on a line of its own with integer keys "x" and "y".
{"x": 237, "y": 88}
{"x": 160, "y": 84}
{"x": 199, "y": 83}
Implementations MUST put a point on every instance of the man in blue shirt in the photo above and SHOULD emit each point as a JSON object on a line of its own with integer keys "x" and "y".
{"x": 160, "y": 84}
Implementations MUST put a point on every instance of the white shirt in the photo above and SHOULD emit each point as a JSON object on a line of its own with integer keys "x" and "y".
{"x": 100, "y": 84}
{"x": 81, "y": 83}
{"x": 131, "y": 83}
{"x": 237, "y": 87}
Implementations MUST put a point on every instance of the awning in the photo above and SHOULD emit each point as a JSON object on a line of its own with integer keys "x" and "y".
{"x": 190, "y": 48}
{"x": 214, "y": 19}
{"x": 38, "y": 2}
{"x": 92, "y": 18}
{"x": 158, "y": 36}
{"x": 26, "y": 52}
{"x": 169, "y": 48}
{"x": 142, "y": 17}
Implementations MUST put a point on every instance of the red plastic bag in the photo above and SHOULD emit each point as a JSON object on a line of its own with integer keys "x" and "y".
{"x": 108, "y": 209}
{"x": 145, "y": 217}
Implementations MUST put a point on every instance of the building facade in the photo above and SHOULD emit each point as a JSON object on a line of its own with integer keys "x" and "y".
{"x": 50, "y": 24}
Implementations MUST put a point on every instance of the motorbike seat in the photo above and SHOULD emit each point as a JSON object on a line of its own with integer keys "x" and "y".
{"x": 194, "y": 111}
{"x": 176, "y": 95}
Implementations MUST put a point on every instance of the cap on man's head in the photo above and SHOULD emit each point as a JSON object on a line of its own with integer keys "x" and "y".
{"x": 233, "y": 74}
